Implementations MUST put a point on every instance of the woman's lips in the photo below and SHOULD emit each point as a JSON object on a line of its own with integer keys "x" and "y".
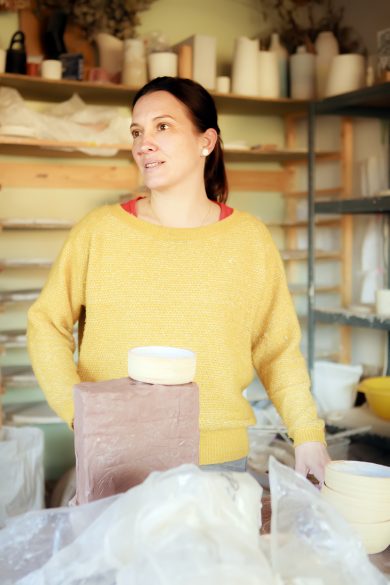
{"x": 153, "y": 164}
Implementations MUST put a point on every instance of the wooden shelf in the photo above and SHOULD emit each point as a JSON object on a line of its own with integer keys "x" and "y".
{"x": 13, "y": 338}
{"x": 11, "y": 144}
{"x": 345, "y": 317}
{"x": 19, "y": 296}
{"x": 37, "y": 88}
{"x": 17, "y": 377}
{"x": 293, "y": 255}
{"x": 11, "y": 224}
{"x": 301, "y": 289}
{"x": 6, "y": 263}
{"x": 303, "y": 224}
{"x": 362, "y": 205}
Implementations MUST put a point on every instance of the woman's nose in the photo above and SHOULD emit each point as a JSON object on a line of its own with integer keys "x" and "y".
{"x": 146, "y": 145}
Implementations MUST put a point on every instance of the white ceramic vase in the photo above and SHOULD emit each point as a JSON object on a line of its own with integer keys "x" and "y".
{"x": 110, "y": 53}
{"x": 245, "y": 67}
{"x": 282, "y": 55}
{"x": 268, "y": 80}
{"x": 163, "y": 63}
{"x": 302, "y": 75}
{"x": 346, "y": 73}
{"x": 134, "y": 71}
{"x": 327, "y": 48}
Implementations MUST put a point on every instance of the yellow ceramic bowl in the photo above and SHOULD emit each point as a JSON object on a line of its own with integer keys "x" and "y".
{"x": 377, "y": 391}
{"x": 360, "y": 479}
{"x": 353, "y": 509}
{"x": 375, "y": 536}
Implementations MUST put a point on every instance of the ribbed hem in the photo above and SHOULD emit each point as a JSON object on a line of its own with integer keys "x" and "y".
{"x": 223, "y": 445}
{"x": 307, "y": 435}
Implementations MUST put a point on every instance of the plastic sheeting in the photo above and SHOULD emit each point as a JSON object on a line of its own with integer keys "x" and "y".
{"x": 69, "y": 121}
{"x": 180, "y": 526}
{"x": 189, "y": 526}
{"x": 21, "y": 471}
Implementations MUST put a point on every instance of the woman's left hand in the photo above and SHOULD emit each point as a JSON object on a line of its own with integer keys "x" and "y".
{"x": 311, "y": 457}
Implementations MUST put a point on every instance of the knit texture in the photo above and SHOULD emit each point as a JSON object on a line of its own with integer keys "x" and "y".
{"x": 219, "y": 290}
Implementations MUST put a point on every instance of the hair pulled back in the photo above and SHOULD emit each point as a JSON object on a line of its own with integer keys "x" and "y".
{"x": 203, "y": 113}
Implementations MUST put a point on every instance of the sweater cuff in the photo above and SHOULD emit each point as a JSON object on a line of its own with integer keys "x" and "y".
{"x": 308, "y": 435}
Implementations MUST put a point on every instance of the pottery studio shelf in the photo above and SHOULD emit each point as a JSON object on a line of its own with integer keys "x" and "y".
{"x": 37, "y": 88}
{"x": 346, "y": 317}
{"x": 69, "y": 148}
{"x": 16, "y": 224}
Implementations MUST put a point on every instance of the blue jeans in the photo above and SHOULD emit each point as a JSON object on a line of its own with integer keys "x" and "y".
{"x": 237, "y": 465}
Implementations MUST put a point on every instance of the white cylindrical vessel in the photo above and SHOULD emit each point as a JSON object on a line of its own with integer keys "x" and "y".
{"x": 383, "y": 302}
{"x": 268, "y": 84}
{"x": 245, "y": 67}
{"x": 161, "y": 64}
{"x": 347, "y": 73}
{"x": 134, "y": 71}
{"x": 327, "y": 48}
{"x": 161, "y": 365}
{"x": 302, "y": 75}
{"x": 282, "y": 55}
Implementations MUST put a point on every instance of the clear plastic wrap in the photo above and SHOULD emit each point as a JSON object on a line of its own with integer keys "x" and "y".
{"x": 180, "y": 526}
{"x": 69, "y": 121}
{"x": 21, "y": 471}
{"x": 310, "y": 542}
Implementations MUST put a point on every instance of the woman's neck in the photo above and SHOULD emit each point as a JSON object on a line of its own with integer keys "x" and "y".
{"x": 175, "y": 210}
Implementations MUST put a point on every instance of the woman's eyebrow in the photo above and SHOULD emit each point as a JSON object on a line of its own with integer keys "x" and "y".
{"x": 154, "y": 119}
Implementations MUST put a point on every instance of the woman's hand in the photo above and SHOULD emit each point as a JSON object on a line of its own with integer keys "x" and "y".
{"x": 311, "y": 457}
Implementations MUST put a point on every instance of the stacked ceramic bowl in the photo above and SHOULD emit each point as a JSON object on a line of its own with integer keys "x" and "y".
{"x": 360, "y": 492}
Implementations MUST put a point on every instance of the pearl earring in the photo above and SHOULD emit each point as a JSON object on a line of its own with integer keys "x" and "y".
{"x": 205, "y": 152}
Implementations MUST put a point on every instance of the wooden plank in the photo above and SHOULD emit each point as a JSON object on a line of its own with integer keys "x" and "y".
{"x": 67, "y": 176}
{"x": 334, "y": 191}
{"x": 267, "y": 180}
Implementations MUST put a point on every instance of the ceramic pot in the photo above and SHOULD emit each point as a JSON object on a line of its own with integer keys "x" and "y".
{"x": 268, "y": 80}
{"x": 110, "y": 53}
{"x": 163, "y": 63}
{"x": 282, "y": 55}
{"x": 346, "y": 73}
{"x": 302, "y": 73}
{"x": 134, "y": 71}
{"x": 327, "y": 48}
{"x": 245, "y": 67}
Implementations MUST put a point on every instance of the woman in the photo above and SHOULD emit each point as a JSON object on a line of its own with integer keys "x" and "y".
{"x": 179, "y": 268}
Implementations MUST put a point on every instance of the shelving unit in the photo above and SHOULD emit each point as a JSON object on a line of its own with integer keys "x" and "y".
{"x": 121, "y": 175}
{"x": 371, "y": 102}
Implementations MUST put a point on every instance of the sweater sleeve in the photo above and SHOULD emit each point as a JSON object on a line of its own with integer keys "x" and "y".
{"x": 276, "y": 354}
{"x": 51, "y": 319}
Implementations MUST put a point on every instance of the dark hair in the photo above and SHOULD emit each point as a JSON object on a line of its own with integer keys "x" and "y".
{"x": 203, "y": 113}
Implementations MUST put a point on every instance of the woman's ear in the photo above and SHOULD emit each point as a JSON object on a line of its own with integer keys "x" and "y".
{"x": 209, "y": 139}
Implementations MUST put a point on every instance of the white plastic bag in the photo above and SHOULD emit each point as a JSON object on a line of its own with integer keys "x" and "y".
{"x": 184, "y": 525}
{"x": 70, "y": 121}
{"x": 21, "y": 471}
{"x": 310, "y": 542}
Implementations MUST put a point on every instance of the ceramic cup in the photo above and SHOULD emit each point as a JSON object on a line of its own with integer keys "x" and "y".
{"x": 223, "y": 84}
{"x": 51, "y": 69}
{"x": 347, "y": 73}
{"x": 164, "y": 63}
{"x": 269, "y": 79}
{"x": 383, "y": 302}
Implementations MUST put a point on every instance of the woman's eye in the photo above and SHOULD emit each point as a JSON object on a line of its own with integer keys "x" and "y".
{"x": 163, "y": 126}
{"x": 135, "y": 133}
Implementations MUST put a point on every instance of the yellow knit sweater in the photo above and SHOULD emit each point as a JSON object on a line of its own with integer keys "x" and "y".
{"x": 218, "y": 290}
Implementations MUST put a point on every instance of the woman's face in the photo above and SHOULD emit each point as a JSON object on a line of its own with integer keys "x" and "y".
{"x": 167, "y": 147}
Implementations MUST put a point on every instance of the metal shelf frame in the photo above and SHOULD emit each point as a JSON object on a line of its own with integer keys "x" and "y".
{"x": 370, "y": 102}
